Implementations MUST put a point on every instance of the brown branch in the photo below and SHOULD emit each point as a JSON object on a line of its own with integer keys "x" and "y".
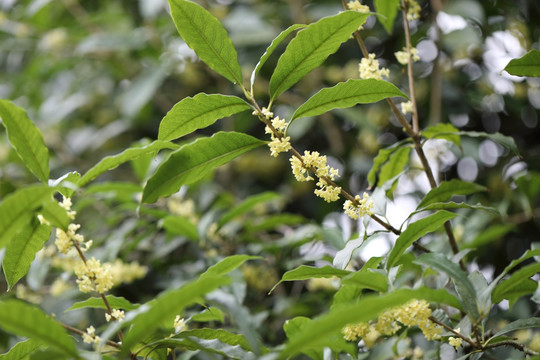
{"x": 466, "y": 339}
{"x": 81, "y": 333}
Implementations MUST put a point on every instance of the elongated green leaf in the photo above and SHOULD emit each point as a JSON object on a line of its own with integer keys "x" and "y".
{"x": 381, "y": 158}
{"x": 447, "y": 189}
{"x": 55, "y": 214}
{"x": 26, "y": 138}
{"x": 210, "y": 314}
{"x": 453, "y": 205}
{"x": 219, "y": 341}
{"x": 395, "y": 164}
{"x": 311, "y": 47}
{"x": 415, "y": 231}
{"x": 309, "y": 272}
{"x": 386, "y": 13}
{"x": 111, "y": 162}
{"x": 207, "y": 37}
{"x": 505, "y": 141}
{"x": 22, "y": 249}
{"x": 273, "y": 47}
{"x": 178, "y": 225}
{"x": 17, "y": 209}
{"x": 247, "y": 205}
{"x": 517, "y": 325}
{"x": 347, "y": 94}
{"x": 21, "y": 350}
{"x": 527, "y": 65}
{"x": 506, "y": 286}
{"x": 116, "y": 302}
{"x": 464, "y": 286}
{"x": 66, "y": 184}
{"x": 492, "y": 233}
{"x": 331, "y": 323}
{"x": 193, "y": 161}
{"x": 22, "y": 319}
{"x": 227, "y": 265}
{"x": 443, "y": 131}
{"x": 198, "y": 112}
{"x": 167, "y": 306}
{"x": 368, "y": 280}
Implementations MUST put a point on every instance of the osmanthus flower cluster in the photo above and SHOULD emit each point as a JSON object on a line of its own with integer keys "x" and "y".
{"x": 403, "y": 56}
{"x": 413, "y": 313}
{"x": 369, "y": 69}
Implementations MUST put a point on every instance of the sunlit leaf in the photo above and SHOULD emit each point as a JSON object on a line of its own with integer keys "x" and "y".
{"x": 347, "y": 94}
{"x": 381, "y": 159}
{"x": 273, "y": 47}
{"x": 22, "y": 249}
{"x": 386, "y": 13}
{"x": 26, "y": 138}
{"x": 207, "y": 37}
{"x": 198, "y": 112}
{"x": 395, "y": 164}
{"x": 447, "y": 189}
{"x": 19, "y": 318}
{"x": 415, "y": 231}
{"x": 443, "y": 131}
{"x": 368, "y": 280}
{"x": 55, "y": 214}
{"x": 305, "y": 272}
{"x": 111, "y": 162}
{"x": 527, "y": 65}
{"x": 116, "y": 302}
{"x": 311, "y": 47}
{"x": 193, "y": 161}
{"x": 17, "y": 209}
{"x": 227, "y": 265}
{"x": 210, "y": 314}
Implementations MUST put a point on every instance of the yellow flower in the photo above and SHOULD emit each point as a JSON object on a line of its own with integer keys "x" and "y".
{"x": 369, "y": 69}
{"x": 115, "y": 315}
{"x": 403, "y": 56}
{"x": 90, "y": 336}
{"x": 413, "y": 10}
{"x": 406, "y": 107}
{"x": 455, "y": 341}
{"x": 364, "y": 207}
{"x": 179, "y": 324}
{"x": 280, "y": 143}
{"x": 94, "y": 276}
{"x": 357, "y": 6}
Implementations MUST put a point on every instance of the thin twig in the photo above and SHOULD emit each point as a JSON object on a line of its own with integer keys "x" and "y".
{"x": 81, "y": 333}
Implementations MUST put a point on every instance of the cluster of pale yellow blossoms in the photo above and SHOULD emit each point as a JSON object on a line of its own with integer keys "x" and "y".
{"x": 369, "y": 68}
{"x": 316, "y": 163}
{"x": 414, "y": 313}
{"x": 179, "y": 324}
{"x": 280, "y": 143}
{"x": 93, "y": 276}
{"x": 407, "y": 107}
{"x": 455, "y": 341}
{"x": 403, "y": 56}
{"x": 115, "y": 314}
{"x": 357, "y": 6}
{"x": 90, "y": 336}
{"x": 413, "y": 10}
{"x": 363, "y": 206}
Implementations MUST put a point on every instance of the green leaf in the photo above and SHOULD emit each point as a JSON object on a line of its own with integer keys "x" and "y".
{"x": 347, "y": 94}
{"x": 210, "y": 314}
{"x": 193, "y": 161}
{"x": 178, "y": 225}
{"x": 247, "y": 205}
{"x": 447, "y": 189}
{"x": 367, "y": 280}
{"x": 207, "y": 37}
{"x": 21, "y": 350}
{"x": 166, "y": 306}
{"x": 22, "y": 249}
{"x": 415, "y": 231}
{"x": 17, "y": 209}
{"x": 198, "y": 112}
{"x": 488, "y": 235}
{"x": 111, "y": 162}
{"x": 308, "y": 272}
{"x": 464, "y": 286}
{"x": 26, "y": 320}
{"x": 273, "y": 47}
{"x": 66, "y": 184}
{"x": 116, "y": 302}
{"x": 381, "y": 158}
{"x": 55, "y": 214}
{"x": 386, "y": 13}
{"x": 395, "y": 164}
{"x": 505, "y": 141}
{"x": 452, "y": 205}
{"x": 331, "y": 323}
{"x": 527, "y": 65}
{"x": 311, "y": 47}
{"x": 506, "y": 286}
{"x": 26, "y": 138}
{"x": 219, "y": 341}
{"x": 443, "y": 131}
{"x": 227, "y": 265}
{"x": 517, "y": 325}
